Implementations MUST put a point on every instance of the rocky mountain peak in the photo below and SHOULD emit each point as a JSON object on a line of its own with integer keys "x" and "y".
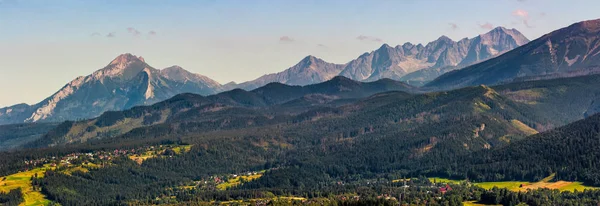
{"x": 385, "y": 46}
{"x": 126, "y": 58}
{"x": 445, "y": 39}
{"x": 589, "y": 26}
{"x": 499, "y": 29}
{"x": 517, "y": 36}
{"x": 174, "y": 68}
{"x": 310, "y": 61}
{"x": 177, "y": 73}
{"x": 124, "y": 67}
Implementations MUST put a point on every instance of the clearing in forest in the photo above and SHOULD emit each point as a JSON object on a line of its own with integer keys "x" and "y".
{"x": 140, "y": 158}
{"x": 544, "y": 183}
{"x": 238, "y": 180}
{"x": 23, "y": 180}
{"x": 523, "y": 186}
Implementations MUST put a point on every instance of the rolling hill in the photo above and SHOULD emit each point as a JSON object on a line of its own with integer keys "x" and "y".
{"x": 570, "y": 152}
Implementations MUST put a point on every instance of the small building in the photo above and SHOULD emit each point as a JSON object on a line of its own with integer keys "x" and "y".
{"x": 445, "y": 189}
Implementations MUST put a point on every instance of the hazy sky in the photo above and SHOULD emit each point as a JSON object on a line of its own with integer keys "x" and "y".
{"x": 46, "y": 43}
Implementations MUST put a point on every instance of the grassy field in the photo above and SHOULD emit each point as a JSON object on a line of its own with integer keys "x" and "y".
{"x": 141, "y": 158}
{"x": 152, "y": 154}
{"x": 544, "y": 183}
{"x": 577, "y": 186}
{"x": 401, "y": 180}
{"x": 82, "y": 168}
{"x": 444, "y": 180}
{"x": 238, "y": 180}
{"x": 472, "y": 203}
{"x": 523, "y": 127}
{"x": 183, "y": 148}
{"x": 523, "y": 186}
{"x": 23, "y": 180}
{"x": 247, "y": 202}
{"x": 512, "y": 185}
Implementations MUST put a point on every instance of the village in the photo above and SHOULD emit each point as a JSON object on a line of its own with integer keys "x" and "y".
{"x": 84, "y": 161}
{"x": 102, "y": 157}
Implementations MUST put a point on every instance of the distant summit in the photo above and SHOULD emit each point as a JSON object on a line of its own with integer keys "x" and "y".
{"x": 570, "y": 51}
{"x": 125, "y": 82}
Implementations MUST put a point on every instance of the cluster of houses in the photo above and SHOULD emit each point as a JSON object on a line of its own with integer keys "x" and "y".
{"x": 98, "y": 157}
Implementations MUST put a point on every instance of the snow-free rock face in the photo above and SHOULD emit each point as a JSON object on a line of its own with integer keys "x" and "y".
{"x": 126, "y": 82}
{"x": 467, "y": 52}
{"x": 570, "y": 51}
{"x": 310, "y": 70}
{"x": 407, "y": 62}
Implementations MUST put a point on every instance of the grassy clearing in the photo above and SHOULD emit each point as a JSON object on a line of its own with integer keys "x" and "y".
{"x": 472, "y": 203}
{"x": 523, "y": 127}
{"x": 23, "y": 180}
{"x": 182, "y": 149}
{"x": 143, "y": 157}
{"x": 512, "y": 185}
{"x": 544, "y": 183}
{"x": 577, "y": 186}
{"x": 238, "y": 180}
{"x": 246, "y": 202}
{"x": 85, "y": 168}
{"x": 444, "y": 180}
{"x": 401, "y": 180}
{"x": 522, "y": 186}
{"x": 152, "y": 154}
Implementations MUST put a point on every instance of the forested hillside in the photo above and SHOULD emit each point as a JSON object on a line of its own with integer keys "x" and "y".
{"x": 313, "y": 138}
{"x": 570, "y": 151}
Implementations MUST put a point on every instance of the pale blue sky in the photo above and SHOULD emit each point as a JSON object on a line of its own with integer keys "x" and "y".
{"x": 46, "y": 43}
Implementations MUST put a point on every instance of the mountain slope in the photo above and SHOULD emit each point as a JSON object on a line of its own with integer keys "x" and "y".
{"x": 234, "y": 103}
{"x": 564, "y": 52}
{"x": 570, "y": 151}
{"x": 310, "y": 70}
{"x": 15, "y": 136}
{"x": 563, "y": 100}
{"x": 470, "y": 51}
{"x": 126, "y": 82}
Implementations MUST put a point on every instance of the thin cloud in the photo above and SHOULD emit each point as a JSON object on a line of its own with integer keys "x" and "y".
{"x": 487, "y": 26}
{"x": 521, "y": 0}
{"x": 321, "y": 45}
{"x": 286, "y": 39}
{"x": 543, "y": 14}
{"x": 111, "y": 35}
{"x": 521, "y": 13}
{"x": 152, "y": 33}
{"x": 134, "y": 31}
{"x": 368, "y": 38}
{"x": 95, "y": 34}
{"x": 453, "y": 26}
{"x": 523, "y": 16}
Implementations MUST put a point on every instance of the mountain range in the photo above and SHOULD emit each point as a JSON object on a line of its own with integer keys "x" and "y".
{"x": 415, "y": 64}
{"x": 524, "y": 108}
{"x": 570, "y": 51}
{"x": 129, "y": 81}
{"x": 273, "y": 97}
